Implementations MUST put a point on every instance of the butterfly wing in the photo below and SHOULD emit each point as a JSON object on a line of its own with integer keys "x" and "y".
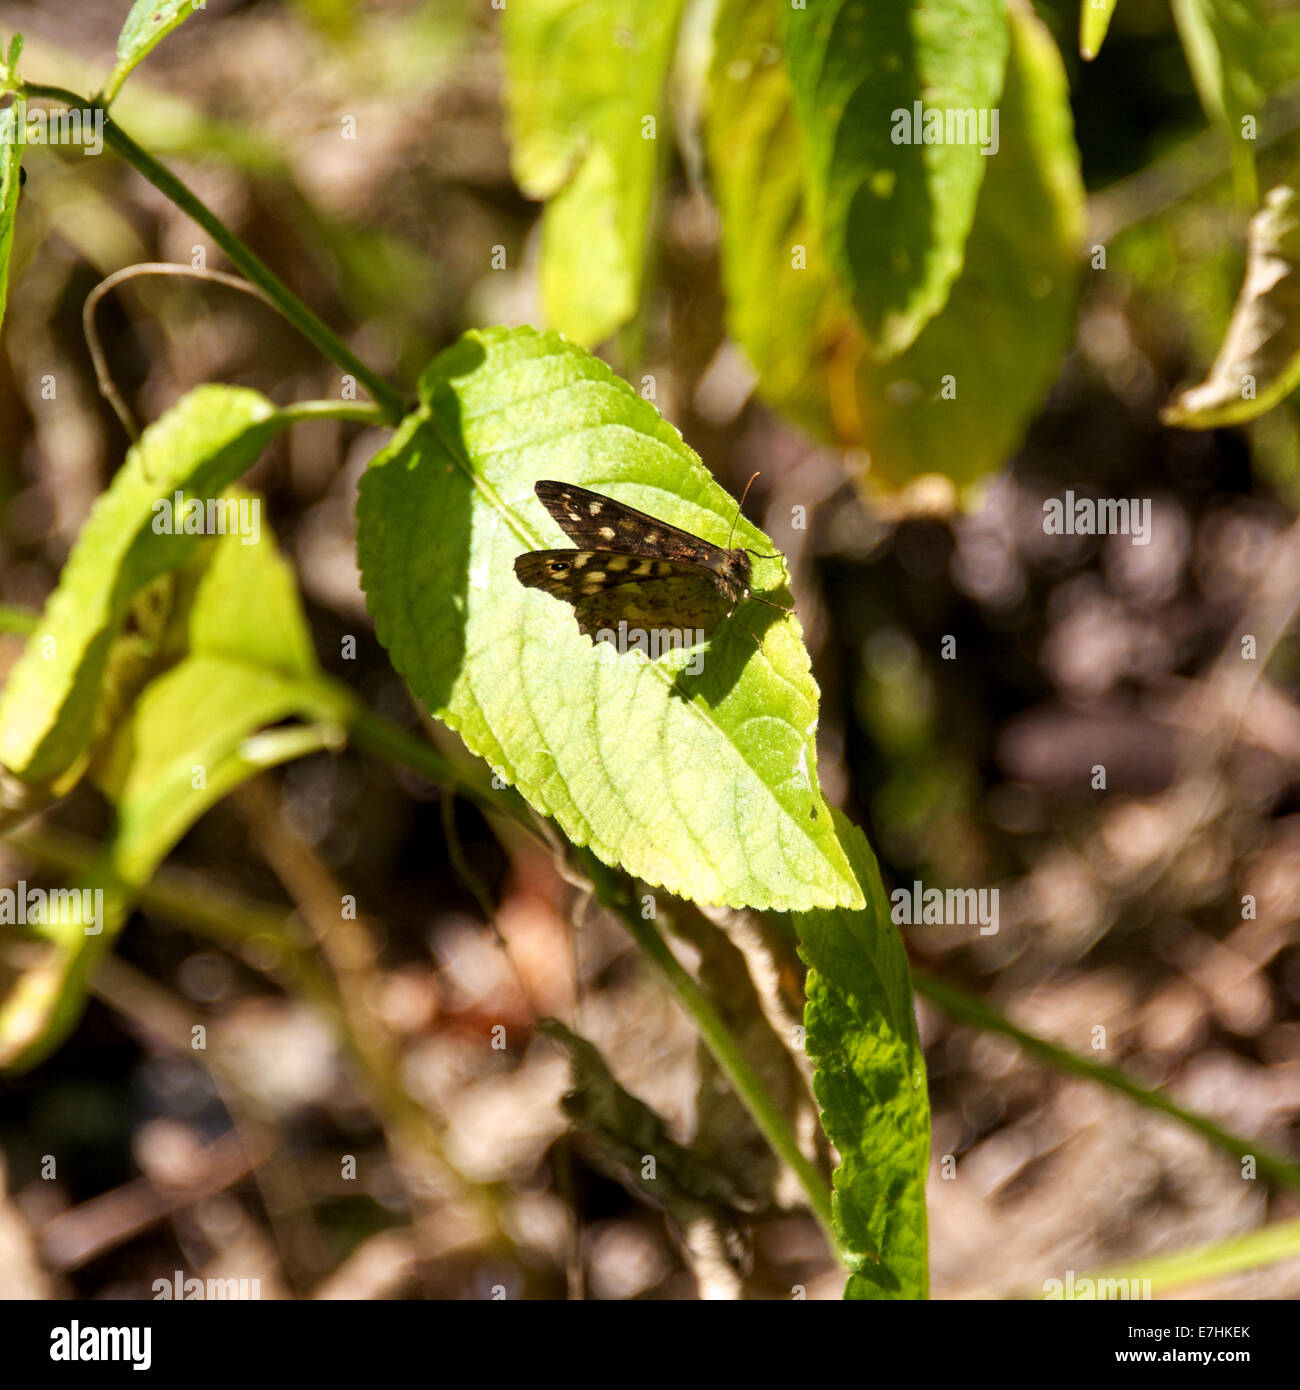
{"x": 595, "y": 522}
{"x": 608, "y": 587}
{"x": 686, "y": 601}
{"x": 572, "y": 574}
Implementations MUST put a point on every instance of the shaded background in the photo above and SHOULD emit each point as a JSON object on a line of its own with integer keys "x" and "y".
{"x": 1119, "y": 909}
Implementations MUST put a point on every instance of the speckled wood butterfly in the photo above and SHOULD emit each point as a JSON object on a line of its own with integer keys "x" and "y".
{"x": 635, "y": 569}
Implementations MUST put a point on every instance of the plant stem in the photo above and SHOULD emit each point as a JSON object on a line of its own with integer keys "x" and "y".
{"x": 302, "y": 318}
{"x": 1268, "y": 1245}
{"x": 363, "y": 412}
{"x": 383, "y": 739}
{"x": 965, "y": 1008}
{"x": 612, "y": 893}
{"x": 18, "y": 619}
{"x": 370, "y": 733}
{"x": 377, "y": 736}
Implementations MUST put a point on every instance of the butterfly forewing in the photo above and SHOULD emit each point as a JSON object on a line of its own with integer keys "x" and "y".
{"x": 632, "y": 568}
{"x": 593, "y": 521}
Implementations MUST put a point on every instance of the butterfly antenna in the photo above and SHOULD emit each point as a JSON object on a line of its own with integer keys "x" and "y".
{"x": 758, "y": 554}
{"x": 740, "y": 508}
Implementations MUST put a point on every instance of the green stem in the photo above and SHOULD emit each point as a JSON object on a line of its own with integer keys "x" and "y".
{"x": 1280, "y": 1241}
{"x": 18, "y": 619}
{"x": 378, "y": 736}
{"x": 1206, "y": 62}
{"x": 253, "y": 268}
{"x": 370, "y": 733}
{"x": 612, "y": 893}
{"x": 965, "y": 1008}
{"x": 175, "y": 893}
{"x": 363, "y": 412}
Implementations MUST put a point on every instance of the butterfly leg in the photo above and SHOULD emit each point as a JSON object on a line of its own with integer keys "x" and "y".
{"x": 780, "y": 607}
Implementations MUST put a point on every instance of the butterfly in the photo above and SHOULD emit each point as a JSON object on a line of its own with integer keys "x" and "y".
{"x": 635, "y": 569}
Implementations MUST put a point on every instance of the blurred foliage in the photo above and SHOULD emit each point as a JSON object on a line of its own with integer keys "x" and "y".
{"x": 973, "y": 672}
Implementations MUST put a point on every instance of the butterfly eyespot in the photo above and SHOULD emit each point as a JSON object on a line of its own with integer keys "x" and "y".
{"x": 558, "y": 566}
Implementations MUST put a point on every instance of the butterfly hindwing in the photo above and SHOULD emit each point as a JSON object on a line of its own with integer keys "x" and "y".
{"x": 682, "y": 601}
{"x": 572, "y": 574}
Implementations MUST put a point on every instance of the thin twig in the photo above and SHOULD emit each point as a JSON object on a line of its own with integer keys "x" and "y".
{"x": 103, "y": 373}
{"x": 460, "y": 865}
{"x": 309, "y": 324}
{"x": 150, "y": 1007}
{"x": 975, "y": 1013}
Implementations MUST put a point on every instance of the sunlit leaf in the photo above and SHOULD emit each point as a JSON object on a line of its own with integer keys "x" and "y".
{"x": 1226, "y": 46}
{"x": 696, "y": 771}
{"x": 197, "y": 448}
{"x": 148, "y": 24}
{"x": 185, "y": 743}
{"x": 584, "y": 90}
{"x": 1010, "y": 313}
{"x": 893, "y": 206}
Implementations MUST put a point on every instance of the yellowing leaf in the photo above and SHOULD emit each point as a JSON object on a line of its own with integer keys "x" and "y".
{"x": 1259, "y": 362}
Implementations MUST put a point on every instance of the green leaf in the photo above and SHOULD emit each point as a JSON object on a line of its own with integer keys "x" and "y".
{"x": 1226, "y": 46}
{"x": 148, "y": 24}
{"x": 793, "y": 325}
{"x": 249, "y": 664}
{"x": 247, "y": 607}
{"x": 583, "y": 76}
{"x": 870, "y": 1084}
{"x": 1094, "y": 20}
{"x": 623, "y": 1131}
{"x": 1016, "y": 291}
{"x": 703, "y": 783}
{"x": 893, "y": 213}
{"x": 185, "y": 743}
{"x": 1011, "y": 314}
{"x": 198, "y": 447}
{"x": 1259, "y": 362}
{"x": 11, "y": 158}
